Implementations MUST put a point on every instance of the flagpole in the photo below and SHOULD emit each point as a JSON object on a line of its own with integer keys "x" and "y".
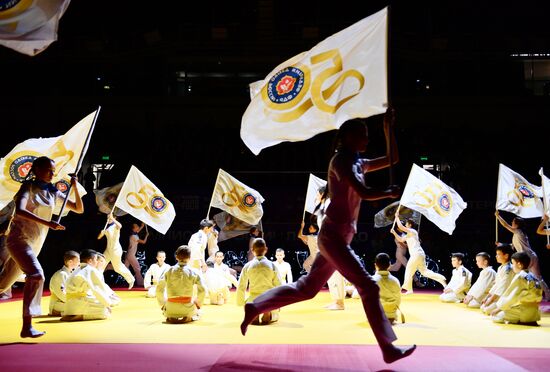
{"x": 79, "y": 164}
{"x": 213, "y": 193}
{"x": 388, "y": 65}
{"x": 496, "y": 218}
{"x": 545, "y": 203}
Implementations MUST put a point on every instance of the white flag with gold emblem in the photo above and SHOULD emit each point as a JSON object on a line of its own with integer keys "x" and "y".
{"x": 143, "y": 200}
{"x": 516, "y": 195}
{"x": 30, "y": 26}
{"x": 313, "y": 186}
{"x": 545, "y": 192}
{"x": 341, "y": 78}
{"x": 237, "y": 199}
{"x": 64, "y": 150}
{"x": 428, "y": 195}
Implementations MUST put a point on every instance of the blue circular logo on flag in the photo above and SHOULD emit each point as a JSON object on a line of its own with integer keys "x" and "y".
{"x": 249, "y": 200}
{"x": 158, "y": 204}
{"x": 285, "y": 85}
{"x": 445, "y": 202}
{"x": 62, "y": 186}
{"x": 8, "y": 4}
{"x": 20, "y": 167}
{"x": 526, "y": 192}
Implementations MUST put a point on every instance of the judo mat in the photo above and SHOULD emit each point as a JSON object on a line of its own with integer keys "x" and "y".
{"x": 450, "y": 337}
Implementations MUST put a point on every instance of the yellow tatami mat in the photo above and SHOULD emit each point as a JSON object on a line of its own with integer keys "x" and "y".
{"x": 139, "y": 320}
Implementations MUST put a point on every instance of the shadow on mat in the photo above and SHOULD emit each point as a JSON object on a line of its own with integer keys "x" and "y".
{"x": 257, "y": 366}
{"x": 18, "y": 343}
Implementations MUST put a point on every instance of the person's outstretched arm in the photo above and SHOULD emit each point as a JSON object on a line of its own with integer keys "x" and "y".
{"x": 504, "y": 223}
{"x": 371, "y": 165}
{"x": 541, "y": 230}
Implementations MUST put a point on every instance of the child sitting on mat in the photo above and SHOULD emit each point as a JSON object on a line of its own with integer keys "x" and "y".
{"x": 259, "y": 275}
{"x": 175, "y": 290}
{"x": 460, "y": 283}
{"x": 58, "y": 297}
{"x": 390, "y": 288}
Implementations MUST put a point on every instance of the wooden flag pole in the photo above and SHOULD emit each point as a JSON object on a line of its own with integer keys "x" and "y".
{"x": 79, "y": 164}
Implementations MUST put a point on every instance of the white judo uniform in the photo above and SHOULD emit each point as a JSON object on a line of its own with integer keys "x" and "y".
{"x": 197, "y": 244}
{"x": 175, "y": 292}
{"x": 460, "y": 283}
{"x": 520, "y": 303}
{"x": 87, "y": 294}
{"x": 58, "y": 296}
{"x": 152, "y": 278}
{"x": 417, "y": 261}
{"x": 218, "y": 281}
{"x": 481, "y": 287}
{"x": 258, "y": 275}
{"x": 504, "y": 277}
{"x": 113, "y": 252}
{"x": 390, "y": 292}
{"x": 285, "y": 272}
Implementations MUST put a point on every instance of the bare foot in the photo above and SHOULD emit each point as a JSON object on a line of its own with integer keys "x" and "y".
{"x": 393, "y": 353}
{"x": 250, "y": 313}
{"x": 31, "y": 332}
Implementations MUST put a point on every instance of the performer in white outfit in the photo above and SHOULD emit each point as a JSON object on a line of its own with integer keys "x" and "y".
{"x": 520, "y": 303}
{"x": 58, "y": 281}
{"x": 219, "y": 279}
{"x": 87, "y": 295}
{"x": 34, "y": 205}
{"x": 131, "y": 259}
{"x": 212, "y": 243}
{"x": 283, "y": 267}
{"x": 484, "y": 282}
{"x": 401, "y": 260}
{"x": 460, "y": 282}
{"x": 175, "y": 290}
{"x": 259, "y": 276}
{"x": 417, "y": 257}
{"x": 154, "y": 273}
{"x": 197, "y": 244}
{"x": 521, "y": 244}
{"x": 504, "y": 277}
{"x": 390, "y": 288}
{"x": 113, "y": 251}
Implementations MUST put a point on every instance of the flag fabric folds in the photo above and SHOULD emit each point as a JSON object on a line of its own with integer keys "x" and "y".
{"x": 516, "y": 195}
{"x": 105, "y": 199}
{"x": 237, "y": 199}
{"x": 30, "y": 26}
{"x": 386, "y": 216}
{"x": 143, "y": 200}
{"x": 313, "y": 186}
{"x": 341, "y": 78}
{"x": 431, "y": 197}
{"x": 231, "y": 226}
{"x": 64, "y": 150}
{"x": 545, "y": 192}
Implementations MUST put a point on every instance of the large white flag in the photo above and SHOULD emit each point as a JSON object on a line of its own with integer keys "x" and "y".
{"x": 516, "y": 195}
{"x": 428, "y": 195}
{"x": 343, "y": 77}
{"x": 65, "y": 150}
{"x": 313, "y": 186}
{"x": 545, "y": 192}
{"x": 30, "y": 26}
{"x": 237, "y": 199}
{"x": 143, "y": 200}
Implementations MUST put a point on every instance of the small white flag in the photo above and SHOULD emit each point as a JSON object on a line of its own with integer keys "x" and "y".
{"x": 428, "y": 195}
{"x": 516, "y": 195}
{"x": 143, "y": 200}
{"x": 30, "y": 26}
{"x": 341, "y": 78}
{"x": 313, "y": 186}
{"x": 237, "y": 199}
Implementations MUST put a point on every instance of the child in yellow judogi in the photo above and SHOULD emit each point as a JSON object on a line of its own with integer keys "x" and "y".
{"x": 175, "y": 290}
{"x": 390, "y": 288}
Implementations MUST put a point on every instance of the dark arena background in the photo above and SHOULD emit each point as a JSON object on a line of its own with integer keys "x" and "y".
{"x": 469, "y": 80}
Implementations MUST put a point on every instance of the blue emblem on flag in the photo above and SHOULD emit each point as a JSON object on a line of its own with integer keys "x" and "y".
{"x": 62, "y": 186}
{"x": 445, "y": 202}
{"x": 158, "y": 204}
{"x": 20, "y": 167}
{"x": 526, "y": 192}
{"x": 249, "y": 200}
{"x": 285, "y": 85}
